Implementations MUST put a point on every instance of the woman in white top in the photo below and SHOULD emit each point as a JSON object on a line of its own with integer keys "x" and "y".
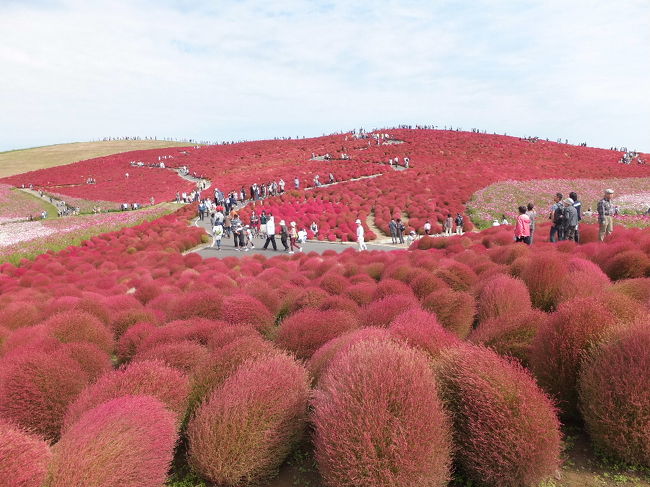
{"x": 360, "y": 235}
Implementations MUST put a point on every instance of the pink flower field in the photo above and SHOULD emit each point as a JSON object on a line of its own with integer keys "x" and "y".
{"x": 632, "y": 197}
{"x": 16, "y": 206}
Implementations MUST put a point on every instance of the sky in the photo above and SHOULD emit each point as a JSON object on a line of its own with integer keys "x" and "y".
{"x": 78, "y": 70}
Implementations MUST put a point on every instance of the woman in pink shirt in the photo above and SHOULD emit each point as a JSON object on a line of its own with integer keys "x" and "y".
{"x": 522, "y": 228}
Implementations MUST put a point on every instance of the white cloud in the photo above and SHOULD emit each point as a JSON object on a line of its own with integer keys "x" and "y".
{"x": 78, "y": 70}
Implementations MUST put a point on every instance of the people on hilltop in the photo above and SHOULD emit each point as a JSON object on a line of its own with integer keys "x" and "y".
{"x": 460, "y": 221}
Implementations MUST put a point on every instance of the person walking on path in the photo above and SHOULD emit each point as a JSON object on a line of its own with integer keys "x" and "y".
{"x": 606, "y": 215}
{"x": 400, "y": 230}
{"x": 427, "y": 228}
{"x": 532, "y": 214}
{"x": 449, "y": 224}
{"x": 392, "y": 227}
{"x": 293, "y": 238}
{"x": 460, "y": 221}
{"x": 522, "y": 226}
{"x": 248, "y": 235}
{"x": 284, "y": 235}
{"x": 360, "y": 236}
{"x": 270, "y": 232}
{"x": 217, "y": 234}
{"x": 227, "y": 225}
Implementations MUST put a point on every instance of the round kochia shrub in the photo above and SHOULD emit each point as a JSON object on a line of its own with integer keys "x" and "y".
{"x": 35, "y": 390}
{"x": 246, "y": 428}
{"x": 421, "y": 329}
{"x": 320, "y": 361}
{"x": 23, "y": 458}
{"x": 455, "y": 310}
{"x": 543, "y": 275}
{"x": 379, "y": 421}
{"x": 127, "y": 441}
{"x": 184, "y": 355}
{"x": 505, "y": 428}
{"x": 155, "y": 379}
{"x": 79, "y": 326}
{"x": 511, "y": 335}
{"x": 305, "y": 331}
{"x": 614, "y": 391}
{"x": 502, "y": 295}
{"x": 383, "y": 311}
{"x": 561, "y": 343}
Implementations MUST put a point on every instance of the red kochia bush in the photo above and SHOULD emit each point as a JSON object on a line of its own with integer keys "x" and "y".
{"x": 184, "y": 355}
{"x": 383, "y": 311}
{"x": 79, "y": 326}
{"x": 614, "y": 391}
{"x": 19, "y": 314}
{"x": 320, "y": 361}
{"x": 627, "y": 265}
{"x": 241, "y": 309}
{"x": 203, "y": 304}
{"x": 454, "y": 309}
{"x": 35, "y": 390}
{"x": 155, "y": 379}
{"x": 129, "y": 342}
{"x": 224, "y": 361}
{"x": 247, "y": 427}
{"x": 379, "y": 421}
{"x": 511, "y": 335}
{"x": 305, "y": 331}
{"x": 23, "y": 458}
{"x": 421, "y": 329}
{"x": 506, "y": 429}
{"x": 559, "y": 346}
{"x": 128, "y": 441}
{"x": 543, "y": 275}
{"x": 92, "y": 360}
{"x": 502, "y": 295}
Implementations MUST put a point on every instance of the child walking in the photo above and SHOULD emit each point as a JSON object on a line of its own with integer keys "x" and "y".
{"x": 217, "y": 233}
{"x": 293, "y": 238}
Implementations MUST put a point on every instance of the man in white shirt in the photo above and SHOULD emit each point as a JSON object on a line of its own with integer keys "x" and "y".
{"x": 270, "y": 233}
{"x": 360, "y": 234}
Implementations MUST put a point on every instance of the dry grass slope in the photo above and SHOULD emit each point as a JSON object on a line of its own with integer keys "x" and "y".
{"x": 24, "y": 160}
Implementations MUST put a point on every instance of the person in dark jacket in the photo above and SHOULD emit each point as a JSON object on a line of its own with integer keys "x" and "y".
{"x": 555, "y": 216}
{"x": 578, "y": 206}
{"x": 569, "y": 219}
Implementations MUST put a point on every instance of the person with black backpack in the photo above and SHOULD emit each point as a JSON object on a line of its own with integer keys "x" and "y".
{"x": 556, "y": 215}
{"x": 569, "y": 220}
{"x": 459, "y": 223}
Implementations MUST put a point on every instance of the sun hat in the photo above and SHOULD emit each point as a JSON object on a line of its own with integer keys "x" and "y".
{"x": 609, "y": 191}
{"x": 293, "y": 224}
{"x": 281, "y": 222}
{"x": 358, "y": 221}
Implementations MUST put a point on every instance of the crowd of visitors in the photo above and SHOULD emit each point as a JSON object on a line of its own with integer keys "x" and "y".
{"x": 565, "y": 215}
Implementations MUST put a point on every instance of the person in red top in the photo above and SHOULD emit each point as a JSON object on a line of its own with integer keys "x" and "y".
{"x": 522, "y": 228}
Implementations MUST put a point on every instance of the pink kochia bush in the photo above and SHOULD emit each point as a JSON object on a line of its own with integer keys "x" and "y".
{"x": 128, "y": 441}
{"x": 321, "y": 360}
{"x": 455, "y": 310}
{"x": 505, "y": 428}
{"x": 502, "y": 295}
{"x": 379, "y": 421}
{"x": 79, "y": 326}
{"x": 156, "y": 379}
{"x": 614, "y": 391}
{"x": 36, "y": 388}
{"x": 561, "y": 343}
{"x": 246, "y": 428}
{"x": 305, "y": 331}
{"x": 23, "y": 458}
{"x": 421, "y": 329}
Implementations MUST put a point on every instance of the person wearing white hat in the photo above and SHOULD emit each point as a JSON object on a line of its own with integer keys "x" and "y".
{"x": 606, "y": 215}
{"x": 360, "y": 234}
{"x": 293, "y": 238}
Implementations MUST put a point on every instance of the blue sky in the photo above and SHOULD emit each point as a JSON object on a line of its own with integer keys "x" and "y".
{"x": 75, "y": 70}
